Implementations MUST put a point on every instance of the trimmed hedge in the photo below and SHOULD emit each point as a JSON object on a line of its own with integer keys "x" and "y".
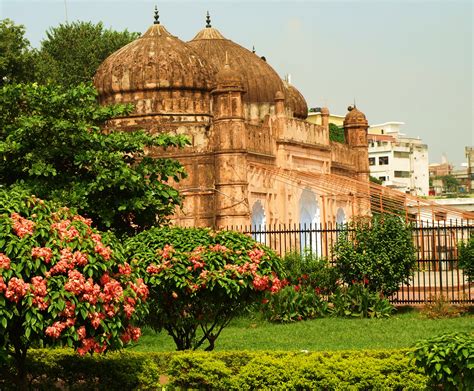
{"x": 354, "y": 370}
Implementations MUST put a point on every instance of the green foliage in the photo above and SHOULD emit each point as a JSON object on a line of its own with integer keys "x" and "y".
{"x": 336, "y": 133}
{"x": 16, "y": 56}
{"x": 51, "y": 143}
{"x": 380, "y": 253}
{"x": 450, "y": 183}
{"x": 358, "y": 301}
{"x": 361, "y": 370}
{"x": 466, "y": 258}
{"x": 200, "y": 279}
{"x": 290, "y": 305}
{"x": 307, "y": 270}
{"x": 375, "y": 180}
{"x": 61, "y": 282}
{"x": 448, "y": 360}
{"x": 72, "y": 52}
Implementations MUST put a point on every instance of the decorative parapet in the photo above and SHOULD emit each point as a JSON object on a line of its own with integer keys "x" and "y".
{"x": 260, "y": 140}
{"x": 300, "y": 131}
{"x": 343, "y": 156}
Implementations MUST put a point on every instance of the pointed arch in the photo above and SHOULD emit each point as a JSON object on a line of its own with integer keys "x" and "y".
{"x": 310, "y": 221}
{"x": 258, "y": 221}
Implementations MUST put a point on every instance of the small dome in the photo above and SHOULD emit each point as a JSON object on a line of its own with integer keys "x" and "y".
{"x": 296, "y": 102}
{"x": 259, "y": 79}
{"x": 155, "y": 61}
{"x": 355, "y": 117}
{"x": 229, "y": 79}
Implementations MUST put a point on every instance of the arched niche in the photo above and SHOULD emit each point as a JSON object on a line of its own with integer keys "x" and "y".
{"x": 340, "y": 217}
{"x": 310, "y": 220}
{"x": 258, "y": 222}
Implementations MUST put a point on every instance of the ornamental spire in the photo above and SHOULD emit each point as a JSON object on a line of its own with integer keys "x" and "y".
{"x": 208, "y": 20}
{"x": 157, "y": 16}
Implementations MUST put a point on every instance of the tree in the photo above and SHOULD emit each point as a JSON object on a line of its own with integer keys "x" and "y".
{"x": 72, "y": 52}
{"x": 336, "y": 133}
{"x": 61, "y": 282}
{"x": 466, "y": 258}
{"x": 378, "y": 253}
{"x": 450, "y": 183}
{"x": 51, "y": 143}
{"x": 16, "y": 56}
{"x": 200, "y": 279}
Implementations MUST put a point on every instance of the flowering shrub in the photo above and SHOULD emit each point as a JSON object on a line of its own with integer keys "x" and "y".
{"x": 61, "y": 281}
{"x": 200, "y": 279}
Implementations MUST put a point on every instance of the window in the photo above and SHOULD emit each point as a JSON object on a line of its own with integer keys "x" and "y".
{"x": 401, "y": 155}
{"x": 383, "y": 178}
{"x": 383, "y": 160}
{"x": 371, "y": 161}
{"x": 402, "y": 174}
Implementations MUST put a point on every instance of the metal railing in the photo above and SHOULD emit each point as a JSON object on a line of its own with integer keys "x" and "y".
{"x": 436, "y": 246}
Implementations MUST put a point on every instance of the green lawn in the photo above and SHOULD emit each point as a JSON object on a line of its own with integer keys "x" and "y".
{"x": 402, "y": 330}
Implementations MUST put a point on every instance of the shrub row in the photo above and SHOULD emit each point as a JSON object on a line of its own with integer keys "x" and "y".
{"x": 355, "y": 370}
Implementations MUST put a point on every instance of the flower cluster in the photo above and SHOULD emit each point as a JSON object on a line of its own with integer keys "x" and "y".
{"x": 65, "y": 230}
{"x": 42, "y": 252}
{"x": 4, "y": 262}
{"x": 39, "y": 289}
{"x": 22, "y": 226}
{"x": 16, "y": 289}
{"x": 100, "y": 248}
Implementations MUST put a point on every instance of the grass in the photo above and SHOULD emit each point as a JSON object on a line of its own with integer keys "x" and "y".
{"x": 402, "y": 330}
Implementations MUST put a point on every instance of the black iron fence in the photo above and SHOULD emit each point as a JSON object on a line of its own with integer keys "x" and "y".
{"x": 436, "y": 243}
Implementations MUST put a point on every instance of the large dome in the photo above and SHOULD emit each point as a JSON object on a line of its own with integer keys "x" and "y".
{"x": 155, "y": 64}
{"x": 260, "y": 80}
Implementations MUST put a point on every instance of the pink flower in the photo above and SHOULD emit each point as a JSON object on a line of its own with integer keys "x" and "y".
{"x": 65, "y": 263}
{"x": 65, "y": 230}
{"x": 4, "y": 262}
{"x": 22, "y": 226}
{"x": 69, "y": 311}
{"x": 153, "y": 269}
{"x": 256, "y": 254}
{"x": 276, "y": 285}
{"x": 103, "y": 251}
{"x": 16, "y": 289}
{"x": 140, "y": 288}
{"x": 42, "y": 252}
{"x": 218, "y": 247}
{"x": 40, "y": 303}
{"x": 87, "y": 222}
{"x": 131, "y": 333}
{"x": 129, "y": 310}
{"x": 125, "y": 269}
{"x": 75, "y": 283}
{"x": 81, "y": 333}
{"x": 113, "y": 291}
{"x": 79, "y": 259}
{"x": 95, "y": 318}
{"x": 260, "y": 283}
{"x": 167, "y": 251}
{"x": 3, "y": 286}
{"x": 39, "y": 286}
{"x": 91, "y": 291}
{"x": 55, "y": 330}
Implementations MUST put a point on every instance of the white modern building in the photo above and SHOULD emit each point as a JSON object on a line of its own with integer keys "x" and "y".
{"x": 399, "y": 161}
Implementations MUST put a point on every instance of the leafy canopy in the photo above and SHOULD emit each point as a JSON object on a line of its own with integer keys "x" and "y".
{"x": 72, "y": 52}
{"x": 379, "y": 253}
{"x": 61, "y": 281}
{"x": 16, "y": 56}
{"x": 51, "y": 143}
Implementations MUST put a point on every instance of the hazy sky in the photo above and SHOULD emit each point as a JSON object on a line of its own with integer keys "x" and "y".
{"x": 409, "y": 61}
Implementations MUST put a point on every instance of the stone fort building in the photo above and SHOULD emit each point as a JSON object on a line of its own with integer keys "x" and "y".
{"x": 252, "y": 151}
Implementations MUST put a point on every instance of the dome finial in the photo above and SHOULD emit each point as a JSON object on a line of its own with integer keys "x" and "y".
{"x": 157, "y": 16}
{"x": 253, "y": 49}
{"x": 208, "y": 20}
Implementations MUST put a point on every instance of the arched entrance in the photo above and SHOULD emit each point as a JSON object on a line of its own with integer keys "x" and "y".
{"x": 310, "y": 220}
{"x": 258, "y": 222}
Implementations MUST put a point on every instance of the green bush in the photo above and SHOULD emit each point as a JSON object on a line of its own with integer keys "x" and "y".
{"x": 448, "y": 360}
{"x": 360, "y": 370}
{"x": 466, "y": 258}
{"x": 360, "y": 302}
{"x": 309, "y": 270}
{"x": 379, "y": 253}
{"x": 291, "y": 304}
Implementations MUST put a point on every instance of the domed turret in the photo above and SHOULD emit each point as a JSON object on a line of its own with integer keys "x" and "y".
{"x": 259, "y": 79}
{"x": 296, "y": 102}
{"x": 355, "y": 118}
{"x": 159, "y": 73}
